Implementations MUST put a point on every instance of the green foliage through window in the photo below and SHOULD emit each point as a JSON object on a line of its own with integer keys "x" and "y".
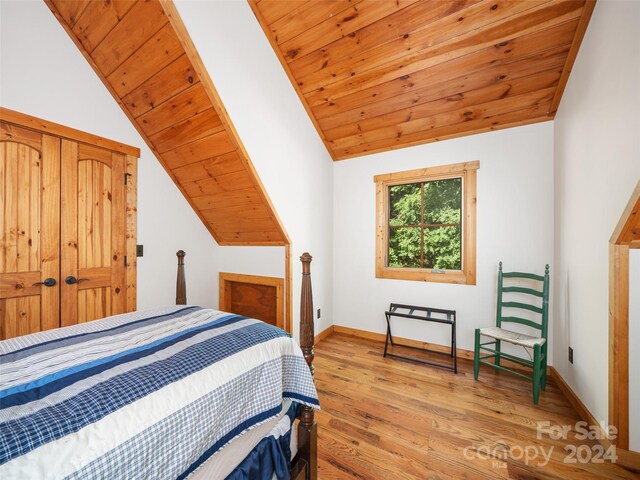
{"x": 425, "y": 225}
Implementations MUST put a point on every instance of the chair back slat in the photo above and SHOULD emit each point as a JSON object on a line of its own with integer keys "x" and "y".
{"x": 543, "y": 311}
{"x": 530, "y": 276}
{"x": 523, "y": 306}
{"x": 523, "y": 321}
{"x": 528, "y": 291}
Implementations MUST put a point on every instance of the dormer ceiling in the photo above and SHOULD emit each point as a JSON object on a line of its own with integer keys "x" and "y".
{"x": 379, "y": 75}
{"x": 144, "y": 56}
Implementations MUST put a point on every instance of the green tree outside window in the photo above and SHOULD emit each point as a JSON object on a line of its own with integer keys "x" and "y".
{"x": 425, "y": 225}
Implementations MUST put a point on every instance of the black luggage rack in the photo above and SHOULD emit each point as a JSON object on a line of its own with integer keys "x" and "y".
{"x": 426, "y": 314}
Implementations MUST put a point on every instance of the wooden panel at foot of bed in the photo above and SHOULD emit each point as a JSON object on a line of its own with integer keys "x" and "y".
{"x": 304, "y": 466}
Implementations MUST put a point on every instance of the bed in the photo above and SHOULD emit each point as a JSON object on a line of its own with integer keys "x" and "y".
{"x": 173, "y": 392}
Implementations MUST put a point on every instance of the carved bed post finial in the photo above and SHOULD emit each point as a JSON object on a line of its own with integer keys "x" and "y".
{"x": 181, "y": 285}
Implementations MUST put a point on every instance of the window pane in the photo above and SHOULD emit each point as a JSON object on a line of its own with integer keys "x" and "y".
{"x": 443, "y": 248}
{"x": 404, "y": 247}
{"x": 442, "y": 201}
{"x": 404, "y": 204}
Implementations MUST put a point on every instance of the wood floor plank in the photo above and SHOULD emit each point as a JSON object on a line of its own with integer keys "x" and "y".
{"x": 385, "y": 418}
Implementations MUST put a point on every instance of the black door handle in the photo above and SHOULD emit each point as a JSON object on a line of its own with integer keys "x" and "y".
{"x": 70, "y": 280}
{"x": 48, "y": 282}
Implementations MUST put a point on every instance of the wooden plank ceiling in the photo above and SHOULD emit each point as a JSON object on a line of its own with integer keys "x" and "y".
{"x": 378, "y": 75}
{"x": 144, "y": 56}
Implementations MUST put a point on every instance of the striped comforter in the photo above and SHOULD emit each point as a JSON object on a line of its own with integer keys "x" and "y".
{"x": 147, "y": 395}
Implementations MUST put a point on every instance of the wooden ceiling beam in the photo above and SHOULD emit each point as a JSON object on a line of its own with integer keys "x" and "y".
{"x": 144, "y": 56}
{"x": 200, "y": 69}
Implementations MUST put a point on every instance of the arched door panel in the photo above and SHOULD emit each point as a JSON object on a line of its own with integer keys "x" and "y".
{"x": 29, "y": 231}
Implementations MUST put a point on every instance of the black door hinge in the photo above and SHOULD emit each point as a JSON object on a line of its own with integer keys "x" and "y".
{"x": 125, "y": 177}
{"x": 125, "y": 260}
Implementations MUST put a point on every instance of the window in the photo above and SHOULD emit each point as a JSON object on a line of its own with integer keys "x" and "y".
{"x": 426, "y": 224}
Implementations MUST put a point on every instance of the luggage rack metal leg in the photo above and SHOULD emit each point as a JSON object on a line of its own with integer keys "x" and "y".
{"x": 450, "y": 320}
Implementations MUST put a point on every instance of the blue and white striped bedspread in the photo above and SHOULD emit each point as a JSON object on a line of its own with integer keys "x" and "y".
{"x": 149, "y": 395}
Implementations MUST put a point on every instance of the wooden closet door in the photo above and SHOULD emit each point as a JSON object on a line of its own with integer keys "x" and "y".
{"x": 30, "y": 234}
{"x": 93, "y": 233}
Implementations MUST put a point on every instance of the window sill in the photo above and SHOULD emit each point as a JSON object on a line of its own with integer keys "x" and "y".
{"x": 425, "y": 275}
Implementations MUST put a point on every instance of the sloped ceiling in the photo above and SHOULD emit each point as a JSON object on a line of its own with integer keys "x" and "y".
{"x": 627, "y": 231}
{"x": 144, "y": 56}
{"x": 379, "y": 75}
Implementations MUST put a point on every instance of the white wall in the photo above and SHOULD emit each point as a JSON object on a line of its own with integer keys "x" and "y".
{"x": 44, "y": 74}
{"x": 597, "y": 165}
{"x": 634, "y": 350}
{"x": 281, "y": 141}
{"x": 514, "y": 224}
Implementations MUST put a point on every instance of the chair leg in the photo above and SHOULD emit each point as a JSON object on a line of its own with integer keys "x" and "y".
{"x": 497, "y": 357}
{"x": 476, "y": 355}
{"x": 536, "y": 373}
{"x": 543, "y": 383}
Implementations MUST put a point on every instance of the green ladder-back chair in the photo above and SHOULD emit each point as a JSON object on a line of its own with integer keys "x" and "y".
{"x": 499, "y": 334}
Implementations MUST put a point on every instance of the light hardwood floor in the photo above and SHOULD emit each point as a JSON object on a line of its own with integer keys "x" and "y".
{"x": 392, "y": 419}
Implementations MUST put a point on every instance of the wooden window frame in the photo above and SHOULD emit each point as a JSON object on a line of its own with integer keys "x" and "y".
{"x": 466, "y": 171}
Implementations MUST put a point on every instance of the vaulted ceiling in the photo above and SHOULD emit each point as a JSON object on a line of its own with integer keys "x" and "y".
{"x": 374, "y": 75}
{"x": 378, "y": 75}
{"x": 144, "y": 56}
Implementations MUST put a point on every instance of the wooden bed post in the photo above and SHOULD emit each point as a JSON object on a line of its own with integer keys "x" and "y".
{"x": 307, "y": 427}
{"x": 181, "y": 285}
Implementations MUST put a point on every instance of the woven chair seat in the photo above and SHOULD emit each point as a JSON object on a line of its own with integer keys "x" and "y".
{"x": 512, "y": 337}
